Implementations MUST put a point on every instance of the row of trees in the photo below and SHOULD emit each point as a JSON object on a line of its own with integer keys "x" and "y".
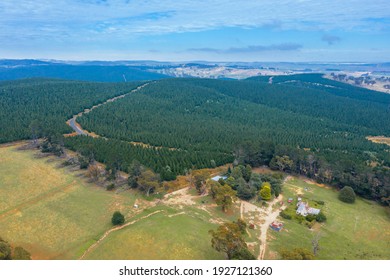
{"x": 119, "y": 155}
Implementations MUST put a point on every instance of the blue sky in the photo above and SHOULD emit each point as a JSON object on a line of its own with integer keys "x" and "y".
{"x": 214, "y": 30}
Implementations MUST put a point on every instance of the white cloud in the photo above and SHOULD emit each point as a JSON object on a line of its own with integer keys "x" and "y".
{"x": 121, "y": 17}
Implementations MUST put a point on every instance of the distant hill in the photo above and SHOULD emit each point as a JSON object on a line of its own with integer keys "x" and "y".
{"x": 20, "y": 69}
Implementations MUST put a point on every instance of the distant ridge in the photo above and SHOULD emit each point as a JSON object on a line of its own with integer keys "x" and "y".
{"x": 20, "y": 69}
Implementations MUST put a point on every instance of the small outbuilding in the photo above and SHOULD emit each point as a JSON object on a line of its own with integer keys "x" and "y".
{"x": 277, "y": 226}
{"x": 216, "y": 178}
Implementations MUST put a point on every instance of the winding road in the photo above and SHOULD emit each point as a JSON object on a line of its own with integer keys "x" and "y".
{"x": 77, "y": 127}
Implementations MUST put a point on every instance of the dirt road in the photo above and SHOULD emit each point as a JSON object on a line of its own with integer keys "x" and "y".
{"x": 77, "y": 127}
{"x": 267, "y": 215}
{"x": 270, "y": 216}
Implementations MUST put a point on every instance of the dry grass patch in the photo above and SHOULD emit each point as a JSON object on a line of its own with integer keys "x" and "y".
{"x": 52, "y": 212}
{"x": 379, "y": 139}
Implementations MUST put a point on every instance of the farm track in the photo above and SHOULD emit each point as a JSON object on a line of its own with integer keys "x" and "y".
{"x": 94, "y": 245}
{"x": 35, "y": 200}
{"x": 269, "y": 219}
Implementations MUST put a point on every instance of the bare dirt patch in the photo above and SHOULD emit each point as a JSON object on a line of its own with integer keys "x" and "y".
{"x": 379, "y": 139}
{"x": 180, "y": 197}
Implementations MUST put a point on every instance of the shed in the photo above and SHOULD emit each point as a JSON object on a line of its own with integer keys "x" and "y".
{"x": 216, "y": 178}
{"x": 277, "y": 226}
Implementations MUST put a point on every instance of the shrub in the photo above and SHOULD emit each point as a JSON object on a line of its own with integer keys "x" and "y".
{"x": 347, "y": 195}
{"x": 284, "y": 215}
{"x": 243, "y": 254}
{"x": 310, "y": 217}
{"x": 21, "y": 254}
{"x": 241, "y": 225}
{"x": 110, "y": 187}
{"x": 311, "y": 223}
{"x": 300, "y": 218}
{"x": 321, "y": 217}
{"x": 320, "y": 202}
{"x": 117, "y": 218}
{"x": 84, "y": 163}
{"x": 265, "y": 191}
{"x": 297, "y": 254}
{"x": 5, "y": 250}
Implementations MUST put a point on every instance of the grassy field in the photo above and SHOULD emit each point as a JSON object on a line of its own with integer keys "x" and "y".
{"x": 52, "y": 212}
{"x": 55, "y": 213}
{"x": 170, "y": 235}
{"x": 352, "y": 231}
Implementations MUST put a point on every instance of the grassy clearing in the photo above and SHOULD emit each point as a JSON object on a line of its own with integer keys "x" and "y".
{"x": 171, "y": 234}
{"x": 51, "y": 211}
{"x": 357, "y": 231}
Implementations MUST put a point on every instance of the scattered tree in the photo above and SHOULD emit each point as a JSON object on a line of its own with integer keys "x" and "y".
{"x": 84, "y": 162}
{"x": 228, "y": 239}
{"x": 167, "y": 174}
{"x": 199, "y": 180}
{"x": 282, "y": 163}
{"x": 148, "y": 182}
{"x": 265, "y": 192}
{"x": 94, "y": 172}
{"x": 117, "y": 218}
{"x": 225, "y": 196}
{"x": 347, "y": 195}
{"x": 246, "y": 172}
{"x": 297, "y": 254}
{"x": 21, "y": 254}
{"x": 237, "y": 172}
{"x": 5, "y": 250}
{"x": 245, "y": 192}
{"x": 213, "y": 188}
{"x": 110, "y": 187}
{"x": 321, "y": 217}
{"x": 241, "y": 225}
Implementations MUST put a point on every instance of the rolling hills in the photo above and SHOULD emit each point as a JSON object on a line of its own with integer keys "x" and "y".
{"x": 302, "y": 124}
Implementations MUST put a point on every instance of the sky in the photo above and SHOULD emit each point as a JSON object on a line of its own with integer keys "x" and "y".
{"x": 187, "y": 30}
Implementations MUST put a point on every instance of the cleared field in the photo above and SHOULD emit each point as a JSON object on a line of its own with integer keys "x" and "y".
{"x": 52, "y": 211}
{"x": 352, "y": 231}
{"x": 170, "y": 235}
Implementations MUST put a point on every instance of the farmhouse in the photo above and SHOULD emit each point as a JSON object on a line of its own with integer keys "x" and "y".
{"x": 304, "y": 209}
{"x": 216, "y": 178}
